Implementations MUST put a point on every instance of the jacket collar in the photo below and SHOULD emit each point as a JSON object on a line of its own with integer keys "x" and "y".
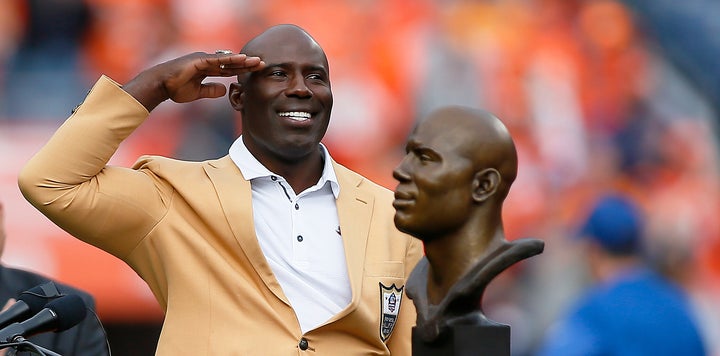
{"x": 252, "y": 168}
{"x": 354, "y": 204}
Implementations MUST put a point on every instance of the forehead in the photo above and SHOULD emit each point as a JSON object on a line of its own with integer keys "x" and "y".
{"x": 443, "y": 136}
{"x": 287, "y": 45}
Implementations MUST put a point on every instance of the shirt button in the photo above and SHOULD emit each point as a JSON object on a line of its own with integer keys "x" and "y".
{"x": 297, "y": 207}
{"x": 303, "y": 344}
{"x": 299, "y": 238}
{"x": 274, "y": 178}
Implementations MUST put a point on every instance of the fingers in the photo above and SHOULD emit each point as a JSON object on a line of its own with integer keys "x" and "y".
{"x": 212, "y": 90}
{"x": 181, "y": 79}
{"x": 228, "y": 63}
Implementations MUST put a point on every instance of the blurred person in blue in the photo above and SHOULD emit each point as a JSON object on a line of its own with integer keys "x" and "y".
{"x": 84, "y": 339}
{"x": 631, "y": 309}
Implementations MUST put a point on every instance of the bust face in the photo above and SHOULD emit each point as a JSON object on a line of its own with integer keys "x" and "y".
{"x": 459, "y": 165}
{"x": 433, "y": 197}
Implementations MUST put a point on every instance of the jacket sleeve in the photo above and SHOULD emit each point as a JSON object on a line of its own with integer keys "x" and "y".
{"x": 69, "y": 179}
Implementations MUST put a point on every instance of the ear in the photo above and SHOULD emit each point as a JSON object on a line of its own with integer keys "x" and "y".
{"x": 485, "y": 184}
{"x": 235, "y": 96}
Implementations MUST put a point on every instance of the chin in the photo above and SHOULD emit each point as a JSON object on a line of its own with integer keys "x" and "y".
{"x": 403, "y": 227}
{"x": 298, "y": 149}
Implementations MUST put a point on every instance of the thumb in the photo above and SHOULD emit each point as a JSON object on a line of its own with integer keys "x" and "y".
{"x": 212, "y": 90}
{"x": 10, "y": 302}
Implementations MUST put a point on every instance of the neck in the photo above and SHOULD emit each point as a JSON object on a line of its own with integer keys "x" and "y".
{"x": 607, "y": 267}
{"x": 452, "y": 256}
{"x": 301, "y": 174}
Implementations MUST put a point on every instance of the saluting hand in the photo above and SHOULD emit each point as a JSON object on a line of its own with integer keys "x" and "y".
{"x": 181, "y": 79}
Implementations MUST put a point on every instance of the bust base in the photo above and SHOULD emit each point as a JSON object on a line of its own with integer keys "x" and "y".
{"x": 466, "y": 340}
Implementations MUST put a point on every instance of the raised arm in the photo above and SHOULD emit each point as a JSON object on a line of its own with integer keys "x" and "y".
{"x": 69, "y": 180}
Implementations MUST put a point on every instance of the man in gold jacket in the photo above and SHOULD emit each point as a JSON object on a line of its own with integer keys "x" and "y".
{"x": 274, "y": 249}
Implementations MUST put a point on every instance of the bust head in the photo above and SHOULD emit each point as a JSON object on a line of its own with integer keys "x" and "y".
{"x": 459, "y": 165}
{"x": 458, "y": 169}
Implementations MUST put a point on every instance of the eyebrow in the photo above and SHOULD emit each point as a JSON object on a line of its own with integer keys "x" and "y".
{"x": 414, "y": 145}
{"x": 411, "y": 143}
{"x": 313, "y": 67}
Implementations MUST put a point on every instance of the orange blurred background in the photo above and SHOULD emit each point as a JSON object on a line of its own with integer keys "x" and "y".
{"x": 593, "y": 95}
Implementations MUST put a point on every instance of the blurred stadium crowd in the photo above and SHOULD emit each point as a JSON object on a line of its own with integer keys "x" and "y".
{"x": 594, "y": 93}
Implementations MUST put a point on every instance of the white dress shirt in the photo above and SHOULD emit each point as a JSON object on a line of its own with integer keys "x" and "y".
{"x": 300, "y": 237}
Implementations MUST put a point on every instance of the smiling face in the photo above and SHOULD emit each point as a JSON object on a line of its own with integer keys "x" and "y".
{"x": 286, "y": 106}
{"x": 456, "y": 160}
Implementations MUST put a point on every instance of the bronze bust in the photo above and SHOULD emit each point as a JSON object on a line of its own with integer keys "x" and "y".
{"x": 458, "y": 168}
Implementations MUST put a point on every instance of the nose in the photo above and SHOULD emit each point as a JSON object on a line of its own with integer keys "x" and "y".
{"x": 297, "y": 87}
{"x": 400, "y": 173}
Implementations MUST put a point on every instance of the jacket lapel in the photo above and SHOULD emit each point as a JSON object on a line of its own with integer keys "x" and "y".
{"x": 235, "y": 197}
{"x": 355, "y": 207}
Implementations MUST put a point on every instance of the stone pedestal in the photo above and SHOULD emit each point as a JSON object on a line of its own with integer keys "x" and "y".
{"x": 466, "y": 340}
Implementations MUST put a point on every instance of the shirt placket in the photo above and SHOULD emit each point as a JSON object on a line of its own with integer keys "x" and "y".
{"x": 300, "y": 251}
{"x": 299, "y": 235}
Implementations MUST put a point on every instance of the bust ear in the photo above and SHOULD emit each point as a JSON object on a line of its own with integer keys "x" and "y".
{"x": 485, "y": 184}
{"x": 235, "y": 96}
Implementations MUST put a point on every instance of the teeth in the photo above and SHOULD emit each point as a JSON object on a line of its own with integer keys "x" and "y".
{"x": 296, "y": 115}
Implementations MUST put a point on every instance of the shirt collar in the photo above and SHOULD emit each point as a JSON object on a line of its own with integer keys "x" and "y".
{"x": 251, "y": 168}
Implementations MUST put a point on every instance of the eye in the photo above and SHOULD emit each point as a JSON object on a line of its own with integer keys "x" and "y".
{"x": 277, "y": 73}
{"x": 424, "y": 157}
{"x": 317, "y": 77}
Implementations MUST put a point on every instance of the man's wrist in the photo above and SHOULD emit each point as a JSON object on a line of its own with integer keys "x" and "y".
{"x": 147, "y": 90}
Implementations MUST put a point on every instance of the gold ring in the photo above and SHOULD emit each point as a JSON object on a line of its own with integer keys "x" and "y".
{"x": 223, "y": 51}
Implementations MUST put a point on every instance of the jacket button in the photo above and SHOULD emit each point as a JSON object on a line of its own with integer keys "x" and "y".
{"x": 303, "y": 344}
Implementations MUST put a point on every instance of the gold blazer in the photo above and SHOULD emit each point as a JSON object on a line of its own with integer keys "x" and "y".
{"x": 187, "y": 229}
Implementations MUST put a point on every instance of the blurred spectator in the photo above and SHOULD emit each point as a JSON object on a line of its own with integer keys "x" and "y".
{"x": 125, "y": 35}
{"x": 631, "y": 310}
{"x": 43, "y": 79}
{"x": 11, "y": 31}
{"x": 686, "y": 34}
{"x": 85, "y": 339}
